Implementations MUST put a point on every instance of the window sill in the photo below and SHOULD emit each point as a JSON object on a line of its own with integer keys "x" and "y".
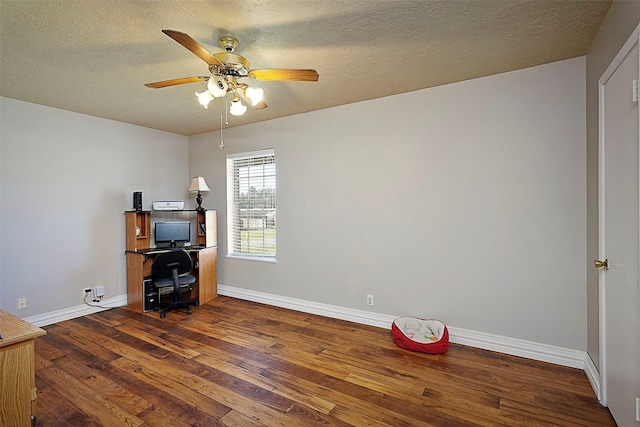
{"x": 252, "y": 258}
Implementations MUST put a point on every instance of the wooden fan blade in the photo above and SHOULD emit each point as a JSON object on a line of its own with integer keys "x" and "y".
{"x": 285, "y": 74}
{"x": 261, "y": 106}
{"x": 195, "y": 47}
{"x": 174, "y": 82}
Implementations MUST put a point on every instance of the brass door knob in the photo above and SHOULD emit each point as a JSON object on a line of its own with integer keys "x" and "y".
{"x": 601, "y": 264}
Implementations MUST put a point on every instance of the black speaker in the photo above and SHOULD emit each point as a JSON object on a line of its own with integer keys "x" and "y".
{"x": 137, "y": 201}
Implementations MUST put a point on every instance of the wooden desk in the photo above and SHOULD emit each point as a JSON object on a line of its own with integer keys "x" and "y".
{"x": 17, "y": 371}
{"x": 139, "y": 269}
{"x": 140, "y": 258}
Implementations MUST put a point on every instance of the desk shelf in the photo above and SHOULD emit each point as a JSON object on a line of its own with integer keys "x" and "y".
{"x": 134, "y": 221}
{"x": 207, "y": 232}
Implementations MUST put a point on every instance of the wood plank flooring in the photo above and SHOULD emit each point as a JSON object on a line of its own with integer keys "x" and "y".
{"x": 238, "y": 363}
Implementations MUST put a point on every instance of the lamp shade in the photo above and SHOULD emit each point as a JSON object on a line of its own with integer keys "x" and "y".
{"x": 255, "y": 95}
{"x": 204, "y": 98}
{"x": 217, "y": 86}
{"x": 198, "y": 184}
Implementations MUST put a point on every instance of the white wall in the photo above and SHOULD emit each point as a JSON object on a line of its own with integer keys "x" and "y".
{"x": 623, "y": 17}
{"x": 464, "y": 202}
{"x": 66, "y": 179}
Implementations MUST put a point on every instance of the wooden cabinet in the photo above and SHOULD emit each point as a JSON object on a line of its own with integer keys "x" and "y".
{"x": 140, "y": 256}
{"x": 17, "y": 371}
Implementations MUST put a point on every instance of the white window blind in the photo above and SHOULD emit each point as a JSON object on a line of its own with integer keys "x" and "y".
{"x": 251, "y": 204}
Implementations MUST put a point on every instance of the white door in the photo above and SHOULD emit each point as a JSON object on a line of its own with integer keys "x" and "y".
{"x": 620, "y": 235}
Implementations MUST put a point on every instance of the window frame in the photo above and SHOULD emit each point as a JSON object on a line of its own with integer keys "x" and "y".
{"x": 233, "y": 217}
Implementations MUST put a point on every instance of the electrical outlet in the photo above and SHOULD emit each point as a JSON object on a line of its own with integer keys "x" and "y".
{"x": 99, "y": 292}
{"x": 369, "y": 299}
{"x": 85, "y": 292}
{"x": 22, "y": 303}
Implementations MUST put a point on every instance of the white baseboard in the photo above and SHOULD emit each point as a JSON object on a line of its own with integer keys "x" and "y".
{"x": 335, "y": 312}
{"x": 77, "y": 311}
{"x": 593, "y": 375}
{"x": 515, "y": 347}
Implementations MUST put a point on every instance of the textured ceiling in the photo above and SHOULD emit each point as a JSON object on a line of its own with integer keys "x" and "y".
{"x": 94, "y": 57}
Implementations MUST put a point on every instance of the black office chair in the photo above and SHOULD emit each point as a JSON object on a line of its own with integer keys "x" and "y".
{"x": 170, "y": 272}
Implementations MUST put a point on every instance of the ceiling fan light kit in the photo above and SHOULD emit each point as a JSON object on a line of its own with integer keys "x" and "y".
{"x": 226, "y": 68}
{"x": 204, "y": 98}
{"x": 237, "y": 108}
{"x": 255, "y": 95}
{"x": 217, "y": 86}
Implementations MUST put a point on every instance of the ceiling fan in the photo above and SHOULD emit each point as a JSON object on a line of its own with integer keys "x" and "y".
{"x": 226, "y": 68}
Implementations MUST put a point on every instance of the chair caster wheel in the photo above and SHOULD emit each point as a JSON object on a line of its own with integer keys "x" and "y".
{"x": 163, "y": 315}
{"x": 189, "y": 311}
{"x": 197, "y": 303}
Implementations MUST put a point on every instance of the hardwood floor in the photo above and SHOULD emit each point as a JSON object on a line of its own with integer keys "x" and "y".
{"x": 237, "y": 363}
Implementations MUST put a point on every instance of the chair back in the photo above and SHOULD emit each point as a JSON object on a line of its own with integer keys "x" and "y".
{"x": 164, "y": 263}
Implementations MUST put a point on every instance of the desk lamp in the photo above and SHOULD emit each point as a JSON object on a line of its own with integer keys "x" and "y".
{"x": 197, "y": 185}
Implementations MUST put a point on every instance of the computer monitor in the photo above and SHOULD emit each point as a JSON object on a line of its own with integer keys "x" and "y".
{"x": 173, "y": 233}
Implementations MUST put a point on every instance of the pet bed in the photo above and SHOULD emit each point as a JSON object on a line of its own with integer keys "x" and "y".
{"x": 423, "y": 335}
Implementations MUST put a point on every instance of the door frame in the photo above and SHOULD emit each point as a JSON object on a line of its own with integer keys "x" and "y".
{"x": 633, "y": 39}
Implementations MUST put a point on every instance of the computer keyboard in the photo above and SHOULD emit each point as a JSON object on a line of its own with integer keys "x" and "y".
{"x": 169, "y": 249}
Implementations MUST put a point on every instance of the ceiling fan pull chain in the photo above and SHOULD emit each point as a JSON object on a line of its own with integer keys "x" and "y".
{"x": 226, "y": 112}
{"x": 221, "y": 146}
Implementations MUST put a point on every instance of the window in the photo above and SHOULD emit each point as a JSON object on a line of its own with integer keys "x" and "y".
{"x": 251, "y": 205}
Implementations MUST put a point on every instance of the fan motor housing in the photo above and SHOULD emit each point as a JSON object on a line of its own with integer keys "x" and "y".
{"x": 233, "y": 64}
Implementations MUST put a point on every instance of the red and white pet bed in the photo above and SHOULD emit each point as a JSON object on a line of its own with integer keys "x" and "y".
{"x": 423, "y": 335}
